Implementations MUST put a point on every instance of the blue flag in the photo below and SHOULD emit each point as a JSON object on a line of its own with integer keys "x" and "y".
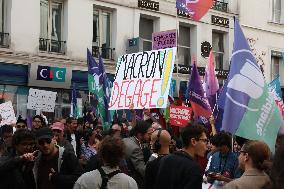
{"x": 249, "y": 111}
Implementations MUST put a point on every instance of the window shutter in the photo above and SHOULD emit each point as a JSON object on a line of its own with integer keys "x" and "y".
{"x": 277, "y": 11}
{"x": 282, "y": 12}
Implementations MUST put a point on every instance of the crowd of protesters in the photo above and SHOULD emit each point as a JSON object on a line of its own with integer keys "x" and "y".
{"x": 75, "y": 153}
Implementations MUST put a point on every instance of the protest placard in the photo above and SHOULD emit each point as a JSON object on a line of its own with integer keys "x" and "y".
{"x": 164, "y": 39}
{"x": 41, "y": 100}
{"x": 7, "y": 114}
{"x": 180, "y": 115}
{"x": 143, "y": 79}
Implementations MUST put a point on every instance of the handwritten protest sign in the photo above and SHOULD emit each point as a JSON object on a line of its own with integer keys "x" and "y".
{"x": 143, "y": 79}
{"x": 7, "y": 114}
{"x": 41, "y": 100}
{"x": 180, "y": 115}
{"x": 165, "y": 39}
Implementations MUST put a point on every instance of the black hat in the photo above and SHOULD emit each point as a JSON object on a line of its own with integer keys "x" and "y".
{"x": 45, "y": 132}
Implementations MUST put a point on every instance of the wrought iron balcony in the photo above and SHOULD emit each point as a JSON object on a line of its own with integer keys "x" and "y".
{"x": 52, "y": 45}
{"x": 220, "y": 6}
{"x": 4, "y": 39}
{"x": 105, "y": 52}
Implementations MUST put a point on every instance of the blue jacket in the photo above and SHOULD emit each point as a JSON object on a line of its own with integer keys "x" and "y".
{"x": 226, "y": 164}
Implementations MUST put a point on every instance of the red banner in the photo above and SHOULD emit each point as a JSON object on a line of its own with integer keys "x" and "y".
{"x": 180, "y": 115}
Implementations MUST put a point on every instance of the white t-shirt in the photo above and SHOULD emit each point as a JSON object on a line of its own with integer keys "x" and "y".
{"x": 93, "y": 180}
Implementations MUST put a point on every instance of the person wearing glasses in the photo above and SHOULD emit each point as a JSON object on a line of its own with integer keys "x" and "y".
{"x": 54, "y": 167}
{"x": 179, "y": 169}
{"x": 253, "y": 159}
{"x": 16, "y": 168}
{"x": 21, "y": 123}
{"x": 38, "y": 122}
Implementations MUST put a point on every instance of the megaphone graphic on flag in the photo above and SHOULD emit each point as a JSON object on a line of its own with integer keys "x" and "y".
{"x": 250, "y": 81}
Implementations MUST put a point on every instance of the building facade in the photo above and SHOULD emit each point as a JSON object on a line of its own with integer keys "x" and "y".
{"x": 264, "y": 29}
{"x": 56, "y": 33}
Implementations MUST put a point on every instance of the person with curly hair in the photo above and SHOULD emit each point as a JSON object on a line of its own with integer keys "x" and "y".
{"x": 111, "y": 151}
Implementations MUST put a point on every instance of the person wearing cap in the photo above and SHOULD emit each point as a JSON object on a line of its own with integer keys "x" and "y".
{"x": 58, "y": 131}
{"x": 54, "y": 167}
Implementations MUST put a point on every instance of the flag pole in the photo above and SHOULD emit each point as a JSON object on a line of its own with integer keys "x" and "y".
{"x": 177, "y": 35}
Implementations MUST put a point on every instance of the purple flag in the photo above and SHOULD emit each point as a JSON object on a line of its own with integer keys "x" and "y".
{"x": 198, "y": 101}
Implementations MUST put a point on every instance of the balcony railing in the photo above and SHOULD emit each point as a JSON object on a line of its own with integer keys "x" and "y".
{"x": 50, "y": 45}
{"x": 4, "y": 40}
{"x": 220, "y": 6}
{"x": 105, "y": 52}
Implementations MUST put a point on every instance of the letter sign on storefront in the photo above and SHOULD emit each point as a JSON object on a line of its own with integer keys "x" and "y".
{"x": 51, "y": 73}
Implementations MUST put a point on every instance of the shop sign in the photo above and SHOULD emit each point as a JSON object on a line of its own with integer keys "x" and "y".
{"x": 151, "y": 5}
{"x": 48, "y": 73}
{"x": 220, "y": 21}
{"x": 52, "y": 76}
{"x": 181, "y": 13}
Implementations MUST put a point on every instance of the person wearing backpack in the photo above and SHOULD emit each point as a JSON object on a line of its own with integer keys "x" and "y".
{"x": 109, "y": 176}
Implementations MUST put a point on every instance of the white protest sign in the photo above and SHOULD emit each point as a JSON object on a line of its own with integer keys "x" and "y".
{"x": 41, "y": 100}
{"x": 143, "y": 79}
{"x": 7, "y": 114}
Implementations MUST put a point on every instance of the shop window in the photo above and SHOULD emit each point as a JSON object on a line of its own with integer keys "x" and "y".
{"x": 184, "y": 46}
{"x": 18, "y": 95}
{"x": 51, "y": 26}
{"x": 218, "y": 49}
{"x": 146, "y": 28}
{"x": 102, "y": 23}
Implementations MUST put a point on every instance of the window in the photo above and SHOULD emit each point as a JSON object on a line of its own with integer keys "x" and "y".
{"x": 275, "y": 66}
{"x": 51, "y": 22}
{"x": 102, "y": 34}
{"x": 184, "y": 46}
{"x": 220, "y": 5}
{"x": 146, "y": 28}
{"x": 2, "y": 10}
{"x": 4, "y": 37}
{"x": 277, "y": 14}
{"x": 218, "y": 49}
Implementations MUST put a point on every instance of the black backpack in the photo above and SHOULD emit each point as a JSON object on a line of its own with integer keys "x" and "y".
{"x": 106, "y": 177}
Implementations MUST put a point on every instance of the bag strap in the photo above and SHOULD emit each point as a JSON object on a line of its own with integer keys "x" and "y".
{"x": 106, "y": 177}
